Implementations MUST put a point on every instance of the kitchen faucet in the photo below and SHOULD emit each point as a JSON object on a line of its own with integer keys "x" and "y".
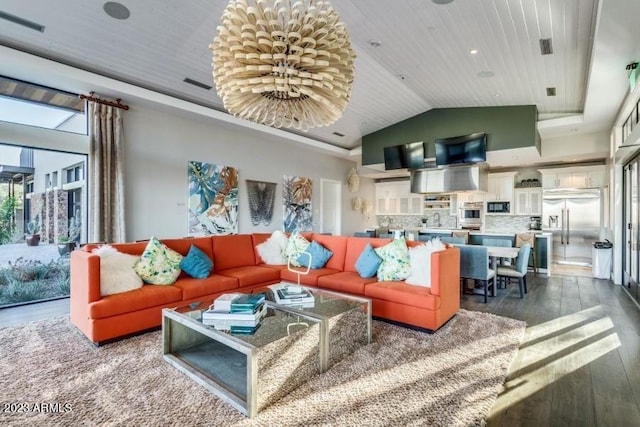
{"x": 436, "y": 219}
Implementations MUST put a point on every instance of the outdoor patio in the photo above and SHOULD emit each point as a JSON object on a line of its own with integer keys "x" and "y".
{"x": 44, "y": 253}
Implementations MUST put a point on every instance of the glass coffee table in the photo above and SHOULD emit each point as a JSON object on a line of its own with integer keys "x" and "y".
{"x": 345, "y": 320}
{"x": 249, "y": 372}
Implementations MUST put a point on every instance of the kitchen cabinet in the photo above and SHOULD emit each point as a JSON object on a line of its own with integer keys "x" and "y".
{"x": 500, "y": 187}
{"x": 573, "y": 177}
{"x": 394, "y": 198}
{"x": 528, "y": 201}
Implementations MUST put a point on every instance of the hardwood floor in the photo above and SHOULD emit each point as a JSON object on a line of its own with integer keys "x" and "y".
{"x": 30, "y": 312}
{"x": 579, "y": 364}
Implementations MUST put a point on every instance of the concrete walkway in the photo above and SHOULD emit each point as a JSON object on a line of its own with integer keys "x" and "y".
{"x": 44, "y": 252}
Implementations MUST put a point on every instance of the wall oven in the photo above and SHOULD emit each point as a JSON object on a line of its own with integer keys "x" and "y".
{"x": 471, "y": 216}
{"x": 499, "y": 208}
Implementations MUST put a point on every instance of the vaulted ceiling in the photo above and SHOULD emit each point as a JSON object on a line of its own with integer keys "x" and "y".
{"x": 413, "y": 55}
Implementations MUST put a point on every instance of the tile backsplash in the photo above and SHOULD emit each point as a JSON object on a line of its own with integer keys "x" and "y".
{"x": 492, "y": 223}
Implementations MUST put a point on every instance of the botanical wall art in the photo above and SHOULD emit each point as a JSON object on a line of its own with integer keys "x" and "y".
{"x": 213, "y": 199}
{"x": 296, "y": 204}
{"x": 262, "y": 196}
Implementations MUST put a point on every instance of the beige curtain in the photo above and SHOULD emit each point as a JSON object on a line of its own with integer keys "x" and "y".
{"x": 106, "y": 172}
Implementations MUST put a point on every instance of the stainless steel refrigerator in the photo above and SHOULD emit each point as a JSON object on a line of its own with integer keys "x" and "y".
{"x": 573, "y": 217}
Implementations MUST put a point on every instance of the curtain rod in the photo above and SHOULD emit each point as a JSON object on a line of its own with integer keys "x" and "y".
{"x": 92, "y": 97}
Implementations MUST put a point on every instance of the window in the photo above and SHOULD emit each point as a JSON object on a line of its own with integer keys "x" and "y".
{"x": 54, "y": 180}
{"x": 74, "y": 174}
{"x": 47, "y": 181}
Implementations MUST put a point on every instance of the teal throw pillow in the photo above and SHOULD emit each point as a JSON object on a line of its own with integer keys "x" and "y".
{"x": 368, "y": 262}
{"x": 319, "y": 256}
{"x": 196, "y": 264}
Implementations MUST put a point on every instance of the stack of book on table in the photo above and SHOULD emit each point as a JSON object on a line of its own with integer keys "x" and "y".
{"x": 236, "y": 313}
{"x": 293, "y": 295}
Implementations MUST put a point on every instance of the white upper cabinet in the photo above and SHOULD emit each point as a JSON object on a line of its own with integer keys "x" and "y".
{"x": 500, "y": 187}
{"x": 528, "y": 201}
{"x": 573, "y": 177}
{"x": 394, "y": 198}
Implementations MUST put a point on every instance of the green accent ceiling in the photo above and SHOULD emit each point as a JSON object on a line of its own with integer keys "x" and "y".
{"x": 506, "y": 127}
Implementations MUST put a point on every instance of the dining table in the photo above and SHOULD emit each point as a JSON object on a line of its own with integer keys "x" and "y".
{"x": 496, "y": 252}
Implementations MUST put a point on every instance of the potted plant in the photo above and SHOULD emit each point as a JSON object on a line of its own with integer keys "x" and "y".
{"x": 33, "y": 232}
{"x": 68, "y": 243}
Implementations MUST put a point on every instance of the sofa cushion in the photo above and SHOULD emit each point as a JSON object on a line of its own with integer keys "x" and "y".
{"x": 309, "y": 279}
{"x": 271, "y": 251}
{"x": 232, "y": 251}
{"x": 296, "y": 245}
{"x": 368, "y": 262}
{"x": 158, "y": 265}
{"x": 337, "y": 245}
{"x": 116, "y": 271}
{"x": 196, "y": 264}
{"x": 139, "y": 299}
{"x": 195, "y": 288}
{"x": 252, "y": 275}
{"x": 395, "y": 261}
{"x": 355, "y": 246}
{"x": 401, "y": 293}
{"x": 317, "y": 258}
{"x": 183, "y": 245}
{"x": 345, "y": 281}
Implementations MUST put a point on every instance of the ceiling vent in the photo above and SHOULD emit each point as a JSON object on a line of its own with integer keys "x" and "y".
{"x": 21, "y": 21}
{"x": 546, "y": 48}
{"x": 197, "y": 83}
{"x": 551, "y": 91}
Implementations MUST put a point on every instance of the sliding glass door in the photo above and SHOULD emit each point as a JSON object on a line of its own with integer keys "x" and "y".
{"x": 631, "y": 272}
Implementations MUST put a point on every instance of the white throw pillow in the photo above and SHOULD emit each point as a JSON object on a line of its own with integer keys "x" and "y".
{"x": 272, "y": 250}
{"x": 116, "y": 271}
{"x": 420, "y": 261}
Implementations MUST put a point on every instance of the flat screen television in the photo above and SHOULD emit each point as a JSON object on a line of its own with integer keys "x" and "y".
{"x": 461, "y": 149}
{"x": 404, "y": 156}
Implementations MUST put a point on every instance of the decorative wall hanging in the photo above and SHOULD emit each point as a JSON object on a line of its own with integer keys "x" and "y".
{"x": 261, "y": 200}
{"x": 356, "y": 204}
{"x": 283, "y": 64}
{"x": 213, "y": 199}
{"x": 353, "y": 181}
{"x": 367, "y": 208}
{"x": 296, "y": 204}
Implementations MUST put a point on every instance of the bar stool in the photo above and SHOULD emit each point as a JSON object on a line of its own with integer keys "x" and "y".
{"x": 529, "y": 238}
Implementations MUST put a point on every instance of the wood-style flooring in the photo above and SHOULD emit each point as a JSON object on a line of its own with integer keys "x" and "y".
{"x": 579, "y": 364}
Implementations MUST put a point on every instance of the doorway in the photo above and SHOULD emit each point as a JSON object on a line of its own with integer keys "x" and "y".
{"x": 630, "y": 273}
{"x": 330, "y": 206}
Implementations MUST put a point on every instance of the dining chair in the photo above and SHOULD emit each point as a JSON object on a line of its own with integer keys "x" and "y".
{"x": 361, "y": 234}
{"x": 519, "y": 270}
{"x": 490, "y": 241}
{"x": 474, "y": 264}
{"x": 530, "y": 238}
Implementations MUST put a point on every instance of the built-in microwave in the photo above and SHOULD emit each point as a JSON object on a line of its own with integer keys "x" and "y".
{"x": 498, "y": 207}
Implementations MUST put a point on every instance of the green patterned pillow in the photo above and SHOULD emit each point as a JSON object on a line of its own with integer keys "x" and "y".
{"x": 395, "y": 261}
{"x": 158, "y": 264}
{"x": 295, "y": 246}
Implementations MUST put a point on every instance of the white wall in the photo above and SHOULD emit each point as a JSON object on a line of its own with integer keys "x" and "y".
{"x": 159, "y": 144}
{"x": 587, "y": 143}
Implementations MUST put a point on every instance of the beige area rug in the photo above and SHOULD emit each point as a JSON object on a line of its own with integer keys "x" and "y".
{"x": 51, "y": 375}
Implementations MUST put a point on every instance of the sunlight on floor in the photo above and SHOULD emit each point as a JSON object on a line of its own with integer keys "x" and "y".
{"x": 554, "y": 349}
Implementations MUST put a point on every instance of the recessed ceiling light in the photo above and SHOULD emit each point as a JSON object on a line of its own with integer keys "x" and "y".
{"x": 485, "y": 74}
{"x": 197, "y": 83}
{"x": 375, "y": 43}
{"x": 21, "y": 21}
{"x": 116, "y": 10}
{"x": 341, "y": 135}
{"x": 497, "y": 95}
{"x": 402, "y": 76}
{"x": 442, "y": 1}
{"x": 473, "y": 51}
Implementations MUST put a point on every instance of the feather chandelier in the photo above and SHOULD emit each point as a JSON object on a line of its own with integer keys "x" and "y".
{"x": 282, "y": 63}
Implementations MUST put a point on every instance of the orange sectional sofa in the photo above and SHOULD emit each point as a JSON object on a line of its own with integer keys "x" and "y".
{"x": 239, "y": 268}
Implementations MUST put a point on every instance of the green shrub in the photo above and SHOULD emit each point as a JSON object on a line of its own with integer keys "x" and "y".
{"x": 17, "y": 292}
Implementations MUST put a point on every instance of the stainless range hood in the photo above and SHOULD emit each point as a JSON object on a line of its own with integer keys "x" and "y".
{"x": 450, "y": 179}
